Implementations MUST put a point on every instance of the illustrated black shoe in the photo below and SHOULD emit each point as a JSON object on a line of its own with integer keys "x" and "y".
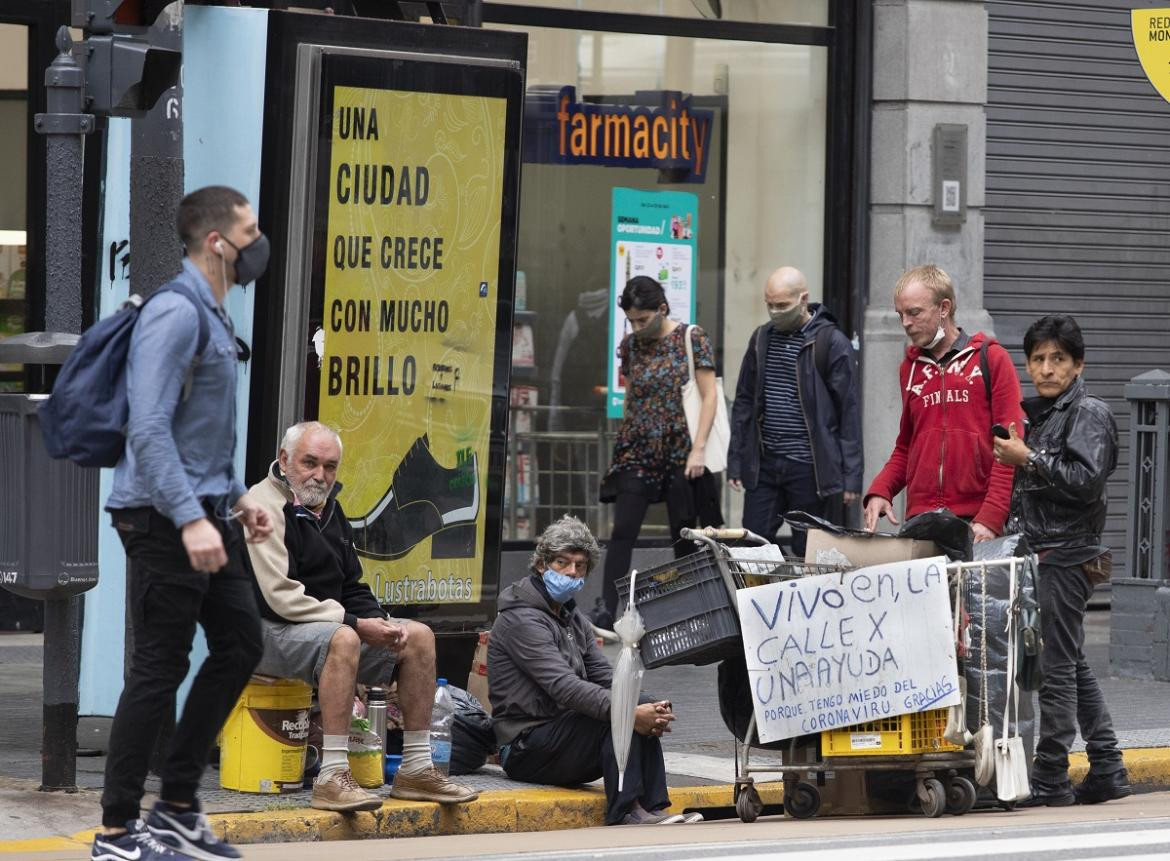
{"x": 1048, "y": 795}
{"x": 424, "y": 498}
{"x": 1097, "y": 788}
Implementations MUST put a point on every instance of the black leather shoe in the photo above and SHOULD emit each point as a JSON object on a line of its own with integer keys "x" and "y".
{"x": 1096, "y": 788}
{"x": 424, "y": 499}
{"x": 1045, "y": 795}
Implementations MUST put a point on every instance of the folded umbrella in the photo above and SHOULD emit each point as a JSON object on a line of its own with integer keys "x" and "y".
{"x": 627, "y": 682}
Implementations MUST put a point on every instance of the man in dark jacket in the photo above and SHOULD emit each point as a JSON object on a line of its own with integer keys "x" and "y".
{"x": 550, "y": 688}
{"x": 323, "y": 625}
{"x": 796, "y": 423}
{"x": 1058, "y": 502}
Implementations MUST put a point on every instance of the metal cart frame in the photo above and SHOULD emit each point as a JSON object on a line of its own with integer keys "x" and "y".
{"x": 939, "y": 785}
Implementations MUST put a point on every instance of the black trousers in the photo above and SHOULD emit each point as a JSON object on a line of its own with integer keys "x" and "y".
{"x": 1069, "y": 695}
{"x": 784, "y": 485}
{"x": 575, "y": 748}
{"x": 629, "y": 510}
{"x": 167, "y": 598}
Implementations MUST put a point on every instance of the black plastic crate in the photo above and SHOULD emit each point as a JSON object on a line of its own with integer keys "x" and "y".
{"x": 689, "y": 616}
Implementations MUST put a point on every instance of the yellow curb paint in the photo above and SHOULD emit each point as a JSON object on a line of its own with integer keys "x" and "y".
{"x": 508, "y": 810}
{"x": 1148, "y": 767}
{"x": 41, "y": 844}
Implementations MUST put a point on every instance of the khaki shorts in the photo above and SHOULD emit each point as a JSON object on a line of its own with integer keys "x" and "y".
{"x": 298, "y": 650}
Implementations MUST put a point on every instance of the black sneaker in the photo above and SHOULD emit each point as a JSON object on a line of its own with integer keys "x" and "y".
{"x": 1096, "y": 788}
{"x": 137, "y": 844}
{"x": 1048, "y": 795}
{"x": 188, "y": 833}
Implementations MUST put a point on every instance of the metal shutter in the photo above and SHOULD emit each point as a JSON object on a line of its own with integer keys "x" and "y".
{"x": 1078, "y": 198}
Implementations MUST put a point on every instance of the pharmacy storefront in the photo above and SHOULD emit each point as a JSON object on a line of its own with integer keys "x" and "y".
{"x": 702, "y": 151}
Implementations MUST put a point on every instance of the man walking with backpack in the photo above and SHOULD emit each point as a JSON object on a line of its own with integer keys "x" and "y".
{"x": 796, "y": 423}
{"x": 182, "y": 513}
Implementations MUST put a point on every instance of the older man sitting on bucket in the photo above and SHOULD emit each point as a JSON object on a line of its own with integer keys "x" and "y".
{"x": 550, "y": 688}
{"x": 322, "y": 624}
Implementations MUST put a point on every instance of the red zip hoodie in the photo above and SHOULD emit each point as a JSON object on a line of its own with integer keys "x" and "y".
{"x": 943, "y": 456}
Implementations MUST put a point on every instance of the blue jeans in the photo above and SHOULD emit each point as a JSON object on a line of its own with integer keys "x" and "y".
{"x": 1069, "y": 695}
{"x": 784, "y": 485}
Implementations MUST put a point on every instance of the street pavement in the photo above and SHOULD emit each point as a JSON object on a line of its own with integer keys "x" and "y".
{"x": 699, "y": 752}
{"x": 1133, "y": 828}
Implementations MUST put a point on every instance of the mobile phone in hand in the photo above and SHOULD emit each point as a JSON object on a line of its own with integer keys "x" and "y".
{"x": 1000, "y": 431}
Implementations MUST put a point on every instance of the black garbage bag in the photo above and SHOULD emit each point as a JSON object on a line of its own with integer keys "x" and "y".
{"x": 950, "y": 532}
{"x": 472, "y": 738}
{"x": 735, "y": 700}
{"x": 804, "y": 520}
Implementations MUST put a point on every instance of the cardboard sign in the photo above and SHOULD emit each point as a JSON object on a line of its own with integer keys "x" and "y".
{"x": 835, "y": 650}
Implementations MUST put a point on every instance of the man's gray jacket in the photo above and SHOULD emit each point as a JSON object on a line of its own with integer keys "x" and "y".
{"x": 542, "y": 663}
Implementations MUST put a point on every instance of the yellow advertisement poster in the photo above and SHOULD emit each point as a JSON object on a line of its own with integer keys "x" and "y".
{"x": 1151, "y": 38}
{"x": 409, "y": 319}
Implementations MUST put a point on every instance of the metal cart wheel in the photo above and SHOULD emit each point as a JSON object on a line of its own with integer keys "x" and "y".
{"x": 748, "y": 804}
{"x": 803, "y": 802}
{"x": 960, "y": 796}
{"x": 936, "y": 798}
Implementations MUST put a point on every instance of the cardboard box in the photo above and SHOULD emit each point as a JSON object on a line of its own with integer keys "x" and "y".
{"x": 477, "y": 679}
{"x": 862, "y": 550}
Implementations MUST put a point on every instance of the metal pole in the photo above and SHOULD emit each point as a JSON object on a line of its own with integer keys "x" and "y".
{"x": 64, "y": 127}
{"x": 156, "y": 187}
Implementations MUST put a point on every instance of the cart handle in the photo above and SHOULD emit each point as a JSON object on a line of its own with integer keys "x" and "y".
{"x": 710, "y": 533}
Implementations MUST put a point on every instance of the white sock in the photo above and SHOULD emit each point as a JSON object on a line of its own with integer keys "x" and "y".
{"x": 334, "y": 755}
{"x": 416, "y": 751}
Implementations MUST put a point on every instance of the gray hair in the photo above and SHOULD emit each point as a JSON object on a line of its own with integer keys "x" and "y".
{"x": 292, "y": 437}
{"x": 566, "y": 534}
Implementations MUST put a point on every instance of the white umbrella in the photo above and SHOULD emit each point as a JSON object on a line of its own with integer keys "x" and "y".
{"x": 627, "y": 682}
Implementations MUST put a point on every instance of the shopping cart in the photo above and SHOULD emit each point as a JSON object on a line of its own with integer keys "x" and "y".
{"x": 704, "y": 627}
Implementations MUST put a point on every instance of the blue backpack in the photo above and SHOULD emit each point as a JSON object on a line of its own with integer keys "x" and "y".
{"x": 84, "y": 420}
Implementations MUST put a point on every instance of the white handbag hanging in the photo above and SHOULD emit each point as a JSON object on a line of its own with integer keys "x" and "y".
{"x": 719, "y": 437}
{"x": 985, "y": 735}
{"x": 956, "y": 730}
{"x": 1011, "y": 763}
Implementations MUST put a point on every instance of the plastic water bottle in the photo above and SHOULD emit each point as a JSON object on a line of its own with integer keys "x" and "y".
{"x": 442, "y": 716}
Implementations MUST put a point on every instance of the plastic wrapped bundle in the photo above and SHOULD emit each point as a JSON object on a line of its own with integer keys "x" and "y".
{"x": 998, "y": 579}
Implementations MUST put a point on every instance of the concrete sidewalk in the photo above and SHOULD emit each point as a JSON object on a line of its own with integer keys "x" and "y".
{"x": 698, "y": 757}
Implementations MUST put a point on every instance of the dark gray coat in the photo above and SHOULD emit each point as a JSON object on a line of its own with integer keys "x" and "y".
{"x": 830, "y": 406}
{"x": 542, "y": 663}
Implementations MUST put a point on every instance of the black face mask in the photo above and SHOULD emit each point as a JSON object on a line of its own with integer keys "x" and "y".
{"x": 251, "y": 260}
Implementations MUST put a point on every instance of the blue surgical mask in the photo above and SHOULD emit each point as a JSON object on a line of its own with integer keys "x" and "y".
{"x": 561, "y": 587}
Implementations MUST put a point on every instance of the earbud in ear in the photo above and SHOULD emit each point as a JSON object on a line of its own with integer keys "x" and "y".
{"x": 219, "y": 246}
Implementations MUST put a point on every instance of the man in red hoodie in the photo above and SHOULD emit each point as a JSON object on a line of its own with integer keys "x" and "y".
{"x": 954, "y": 387}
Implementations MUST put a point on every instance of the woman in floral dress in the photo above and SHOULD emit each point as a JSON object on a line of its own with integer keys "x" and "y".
{"x": 654, "y": 453}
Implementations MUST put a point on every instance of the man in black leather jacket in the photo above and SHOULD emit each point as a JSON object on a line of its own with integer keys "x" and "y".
{"x": 1058, "y": 503}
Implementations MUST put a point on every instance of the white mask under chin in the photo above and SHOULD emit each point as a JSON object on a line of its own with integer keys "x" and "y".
{"x": 938, "y": 336}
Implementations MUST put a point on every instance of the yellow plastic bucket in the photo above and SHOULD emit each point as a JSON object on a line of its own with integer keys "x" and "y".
{"x": 262, "y": 744}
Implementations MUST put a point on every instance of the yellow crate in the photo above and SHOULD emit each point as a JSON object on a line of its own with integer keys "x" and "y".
{"x": 903, "y": 734}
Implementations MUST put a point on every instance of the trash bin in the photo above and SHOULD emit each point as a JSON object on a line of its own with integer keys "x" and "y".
{"x": 49, "y": 531}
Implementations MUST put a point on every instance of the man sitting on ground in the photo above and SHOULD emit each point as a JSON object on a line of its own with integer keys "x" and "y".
{"x": 323, "y": 625}
{"x": 550, "y": 688}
